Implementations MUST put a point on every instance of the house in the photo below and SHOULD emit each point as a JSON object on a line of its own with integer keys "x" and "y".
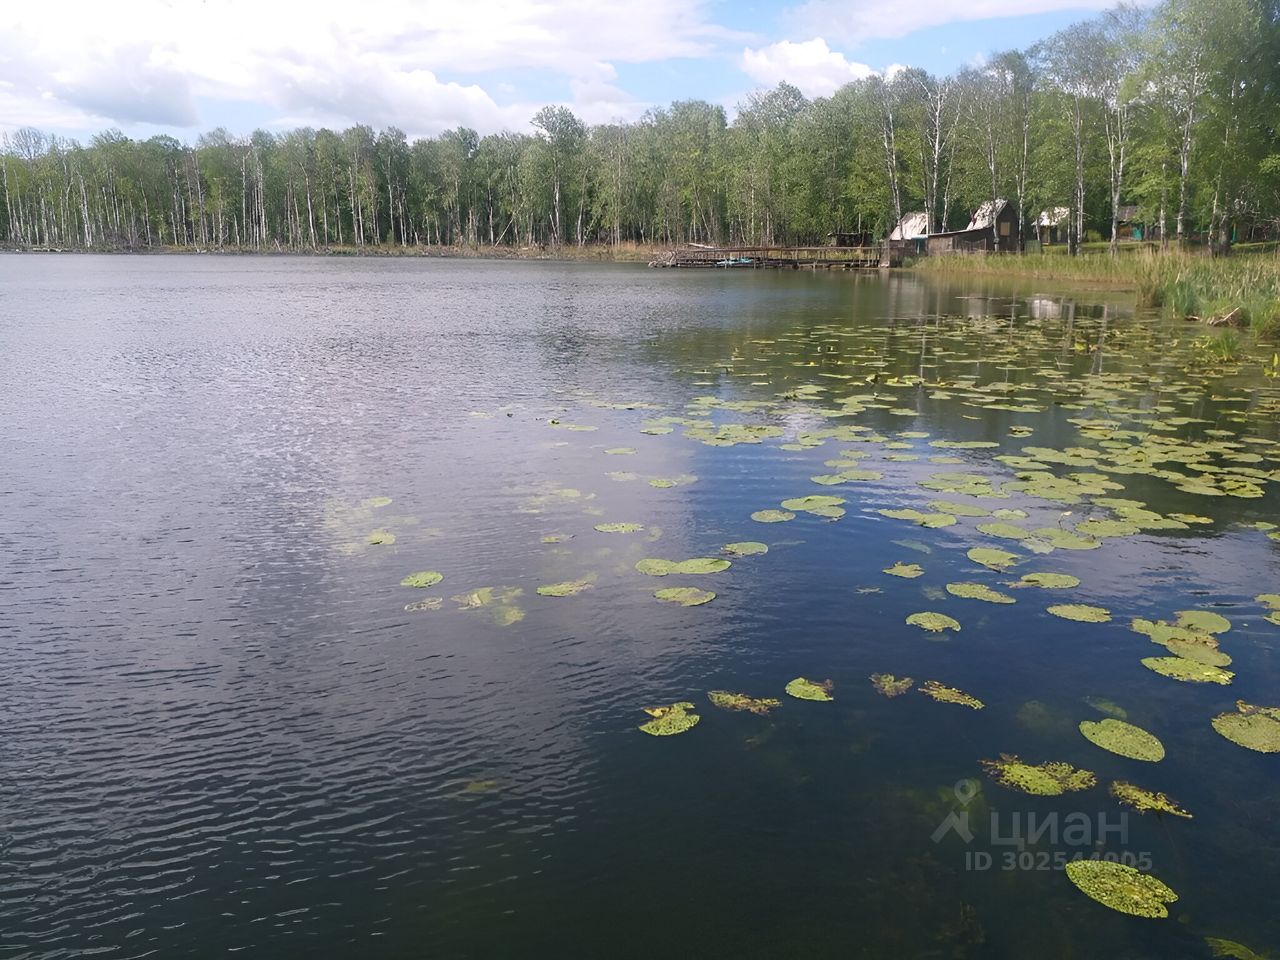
{"x": 1053, "y": 225}
{"x": 911, "y": 234}
{"x": 977, "y": 236}
{"x": 1128, "y": 226}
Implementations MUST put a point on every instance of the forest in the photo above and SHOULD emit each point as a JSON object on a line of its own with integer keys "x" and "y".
{"x": 1172, "y": 109}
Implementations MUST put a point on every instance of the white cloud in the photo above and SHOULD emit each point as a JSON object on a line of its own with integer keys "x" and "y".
{"x": 810, "y": 65}
{"x": 854, "y": 21}
{"x": 416, "y": 64}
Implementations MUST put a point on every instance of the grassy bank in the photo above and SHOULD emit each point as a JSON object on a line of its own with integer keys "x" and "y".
{"x": 623, "y": 252}
{"x": 1182, "y": 285}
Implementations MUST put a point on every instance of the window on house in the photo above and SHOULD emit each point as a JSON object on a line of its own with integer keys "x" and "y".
{"x": 1004, "y": 228}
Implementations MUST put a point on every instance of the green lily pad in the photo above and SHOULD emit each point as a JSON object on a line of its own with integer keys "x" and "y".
{"x": 619, "y": 527}
{"x": 497, "y": 603}
{"x": 382, "y": 537}
{"x": 1121, "y": 887}
{"x": 685, "y": 596}
{"x": 423, "y": 578}
{"x": 1081, "y": 612}
{"x": 1203, "y": 621}
{"x": 1146, "y": 800}
{"x": 740, "y": 701}
{"x": 1123, "y": 738}
{"x": 1065, "y": 539}
{"x": 993, "y": 558}
{"x": 803, "y": 689}
{"x": 772, "y": 516}
{"x": 908, "y": 571}
{"x": 375, "y": 503}
{"x": 567, "y": 589}
{"x": 933, "y": 622}
{"x": 745, "y": 548}
{"x": 1188, "y": 671}
{"x": 670, "y": 719}
{"x": 702, "y": 565}
{"x": 620, "y": 451}
{"x": 958, "y": 509}
{"x": 1050, "y": 779}
{"x": 978, "y": 591}
{"x": 886, "y": 684}
{"x": 420, "y": 606}
{"x": 1252, "y": 727}
{"x": 945, "y": 694}
{"x": 1051, "y": 581}
{"x": 655, "y": 567}
{"x": 1269, "y": 600}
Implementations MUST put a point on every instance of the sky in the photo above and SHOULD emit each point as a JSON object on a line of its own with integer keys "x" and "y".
{"x": 183, "y": 67}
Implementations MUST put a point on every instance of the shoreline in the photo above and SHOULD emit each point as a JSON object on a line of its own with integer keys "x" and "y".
{"x": 563, "y": 254}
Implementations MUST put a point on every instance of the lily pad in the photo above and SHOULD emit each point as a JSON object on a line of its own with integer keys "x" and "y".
{"x": 420, "y": 606}
{"x": 803, "y": 689}
{"x": 772, "y": 516}
{"x": 1188, "y": 671}
{"x": 1050, "y": 779}
{"x": 1051, "y": 581}
{"x": 933, "y": 622}
{"x": 1123, "y": 738}
{"x": 945, "y": 694}
{"x": 685, "y": 596}
{"x": 1121, "y": 887}
{"x": 655, "y": 567}
{"x": 619, "y": 527}
{"x": 740, "y": 701}
{"x": 992, "y": 558}
{"x": 620, "y": 451}
{"x": 886, "y": 684}
{"x": 423, "y": 578}
{"x": 1203, "y": 621}
{"x": 382, "y": 537}
{"x": 907, "y": 571}
{"x": 1146, "y": 800}
{"x": 745, "y": 548}
{"x": 978, "y": 591}
{"x": 1081, "y": 612}
{"x": 1229, "y": 948}
{"x": 1109, "y": 707}
{"x": 498, "y": 603}
{"x": 1252, "y": 727}
{"x": 568, "y": 589}
{"x": 1008, "y": 531}
{"x": 670, "y": 719}
{"x": 702, "y": 565}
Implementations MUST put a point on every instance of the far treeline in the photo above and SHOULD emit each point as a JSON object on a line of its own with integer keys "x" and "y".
{"x": 1173, "y": 110}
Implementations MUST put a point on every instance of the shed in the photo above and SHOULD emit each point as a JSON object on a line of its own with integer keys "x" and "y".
{"x": 977, "y": 236}
{"x": 1052, "y": 225}
{"x": 911, "y": 233}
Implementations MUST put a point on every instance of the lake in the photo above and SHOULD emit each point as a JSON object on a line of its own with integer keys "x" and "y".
{"x": 228, "y": 726}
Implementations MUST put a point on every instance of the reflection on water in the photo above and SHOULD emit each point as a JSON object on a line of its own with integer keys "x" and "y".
{"x": 228, "y": 722}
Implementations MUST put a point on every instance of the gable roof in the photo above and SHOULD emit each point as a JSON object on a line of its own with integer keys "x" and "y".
{"x": 1053, "y": 216}
{"x": 911, "y": 226}
{"x": 986, "y": 215}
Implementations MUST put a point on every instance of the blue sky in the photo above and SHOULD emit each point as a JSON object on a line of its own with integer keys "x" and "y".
{"x": 75, "y": 67}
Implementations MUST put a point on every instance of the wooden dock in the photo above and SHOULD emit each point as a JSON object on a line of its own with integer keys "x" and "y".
{"x": 778, "y": 257}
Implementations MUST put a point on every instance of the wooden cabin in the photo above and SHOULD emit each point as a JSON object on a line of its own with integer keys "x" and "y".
{"x": 977, "y": 236}
{"x": 1052, "y": 225}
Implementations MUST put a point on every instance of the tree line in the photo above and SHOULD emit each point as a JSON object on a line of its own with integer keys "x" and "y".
{"x": 1172, "y": 109}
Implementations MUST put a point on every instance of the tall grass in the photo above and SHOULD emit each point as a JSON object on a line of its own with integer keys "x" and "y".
{"x": 1181, "y": 284}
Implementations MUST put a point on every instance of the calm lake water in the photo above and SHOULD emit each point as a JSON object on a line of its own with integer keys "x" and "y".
{"x": 228, "y": 728}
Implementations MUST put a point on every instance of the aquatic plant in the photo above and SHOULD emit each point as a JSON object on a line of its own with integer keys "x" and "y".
{"x": 1252, "y": 727}
{"x": 740, "y": 701}
{"x": 619, "y": 527}
{"x": 1050, "y": 581}
{"x": 381, "y": 537}
{"x": 745, "y": 548}
{"x": 670, "y": 719}
{"x": 1122, "y": 888}
{"x": 1188, "y": 671}
{"x": 567, "y": 589}
{"x": 1080, "y": 612}
{"x": 945, "y": 694}
{"x": 1145, "y": 801}
{"x": 993, "y": 558}
{"x": 907, "y": 571}
{"x": 933, "y": 622}
{"x": 978, "y": 591}
{"x": 1123, "y": 738}
{"x": 1049, "y": 779}
{"x": 886, "y": 684}
{"x": 772, "y": 516}
{"x": 423, "y": 578}
{"x": 685, "y": 596}
{"x": 803, "y": 689}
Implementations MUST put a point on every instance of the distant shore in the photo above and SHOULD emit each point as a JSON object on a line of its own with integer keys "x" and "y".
{"x": 624, "y": 253}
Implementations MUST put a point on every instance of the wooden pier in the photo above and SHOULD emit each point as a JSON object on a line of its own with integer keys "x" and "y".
{"x": 779, "y": 257}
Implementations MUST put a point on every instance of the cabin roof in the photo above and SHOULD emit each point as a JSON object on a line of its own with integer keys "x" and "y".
{"x": 1053, "y": 216}
{"x": 911, "y": 226}
{"x": 986, "y": 215}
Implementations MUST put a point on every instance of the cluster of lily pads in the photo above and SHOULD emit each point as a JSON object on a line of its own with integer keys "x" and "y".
{"x": 1130, "y": 420}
